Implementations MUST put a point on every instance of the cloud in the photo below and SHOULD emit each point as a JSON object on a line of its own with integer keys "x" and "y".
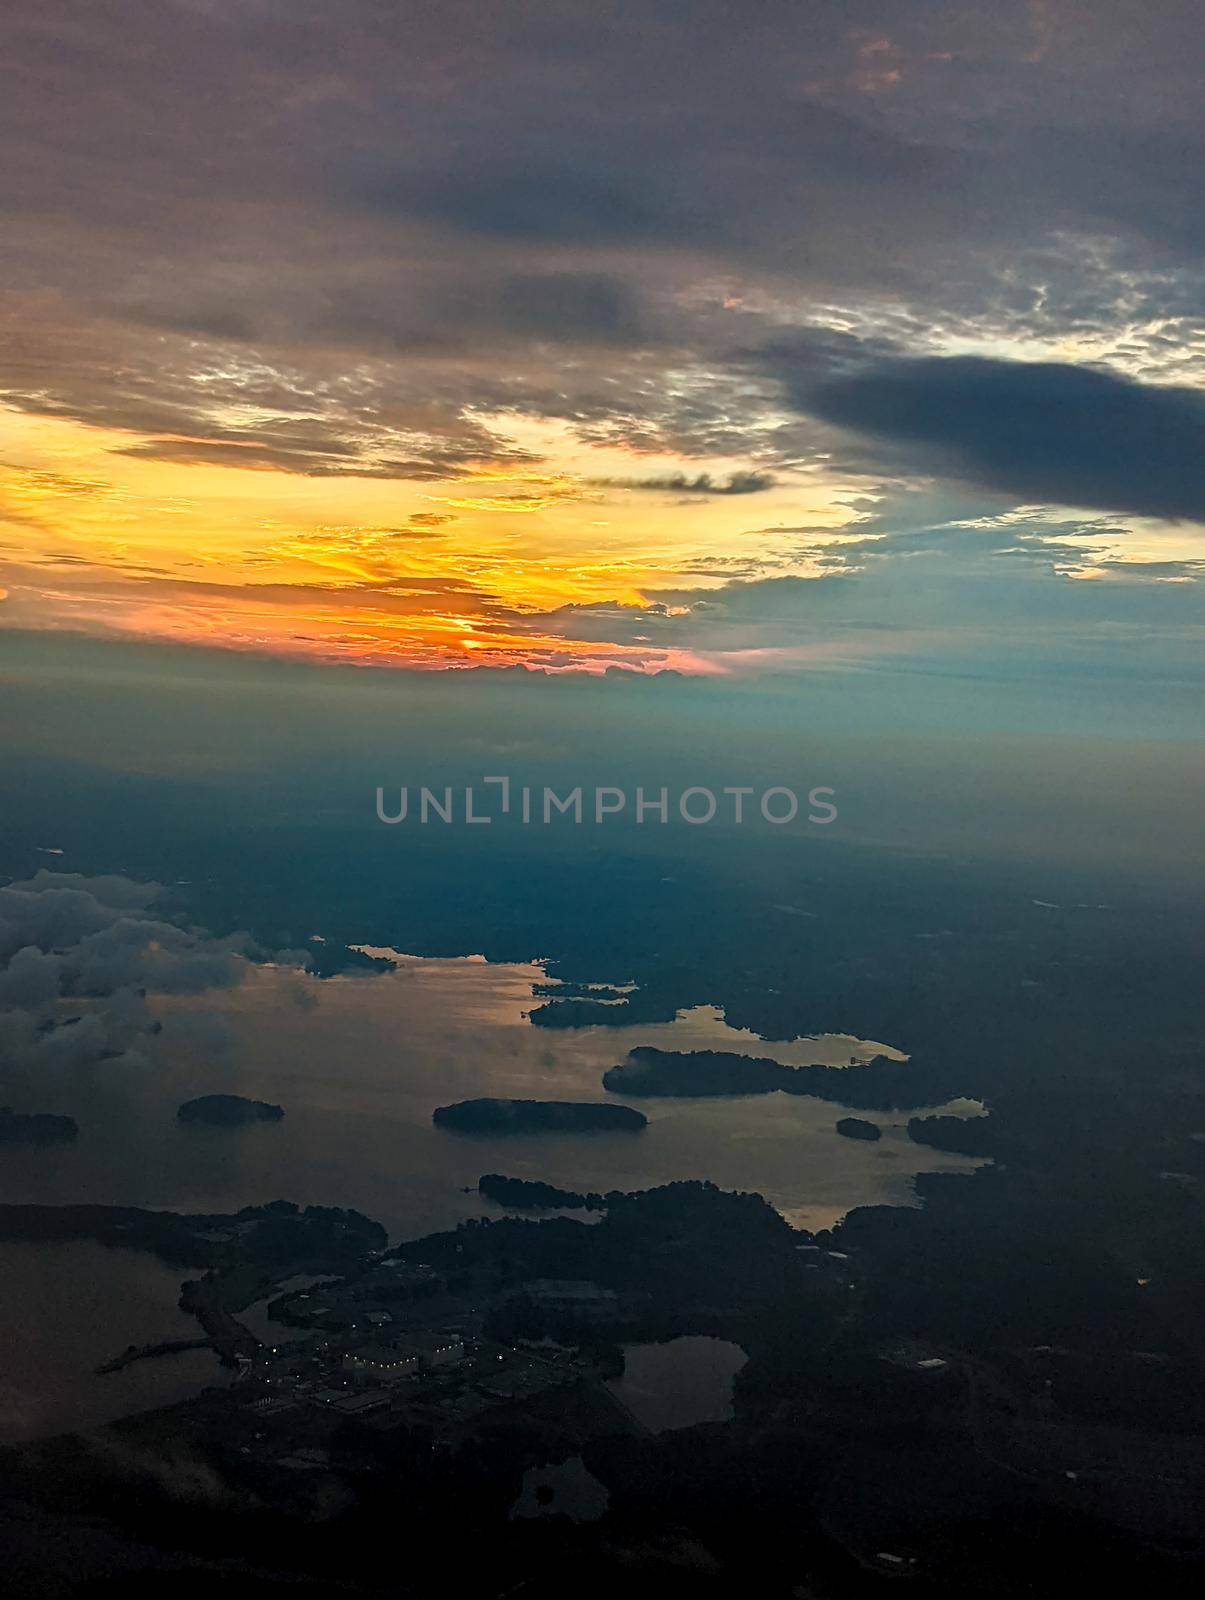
{"x": 355, "y": 232}
{"x": 1040, "y": 432}
{"x": 409, "y": 595}
{"x": 323, "y": 455}
{"x": 369, "y": 247}
{"x": 31, "y": 980}
{"x": 568, "y": 306}
{"x": 942, "y": 578}
{"x": 535, "y": 197}
{"x": 79, "y": 955}
{"x": 466, "y": 309}
{"x": 700, "y": 483}
{"x": 139, "y": 952}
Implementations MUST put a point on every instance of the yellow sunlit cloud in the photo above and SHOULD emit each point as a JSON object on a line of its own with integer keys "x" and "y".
{"x": 97, "y": 538}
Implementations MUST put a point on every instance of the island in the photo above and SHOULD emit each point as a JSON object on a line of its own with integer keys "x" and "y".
{"x": 537, "y": 1116}
{"x": 228, "y": 1111}
{"x": 35, "y": 1127}
{"x": 859, "y": 1128}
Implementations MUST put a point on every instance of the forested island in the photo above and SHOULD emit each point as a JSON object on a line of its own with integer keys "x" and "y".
{"x": 35, "y": 1127}
{"x": 537, "y": 1116}
{"x": 858, "y": 1128}
{"x": 228, "y": 1111}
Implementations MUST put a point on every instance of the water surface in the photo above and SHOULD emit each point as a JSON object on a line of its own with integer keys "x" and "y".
{"x": 359, "y": 1064}
{"x": 680, "y": 1383}
{"x": 66, "y": 1308}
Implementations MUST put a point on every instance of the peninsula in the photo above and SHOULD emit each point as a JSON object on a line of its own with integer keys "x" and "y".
{"x": 878, "y": 1085}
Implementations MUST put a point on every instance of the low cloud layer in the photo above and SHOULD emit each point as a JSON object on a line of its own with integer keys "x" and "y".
{"x": 79, "y": 957}
{"x": 940, "y": 581}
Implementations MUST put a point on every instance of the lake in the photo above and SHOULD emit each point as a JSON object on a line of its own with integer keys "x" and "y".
{"x": 65, "y": 1308}
{"x": 359, "y": 1064}
{"x": 680, "y": 1383}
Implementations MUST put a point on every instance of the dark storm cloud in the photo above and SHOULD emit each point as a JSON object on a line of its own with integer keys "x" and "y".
{"x": 1041, "y": 432}
{"x": 700, "y": 483}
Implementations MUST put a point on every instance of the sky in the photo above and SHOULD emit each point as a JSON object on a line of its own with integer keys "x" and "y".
{"x": 731, "y": 339}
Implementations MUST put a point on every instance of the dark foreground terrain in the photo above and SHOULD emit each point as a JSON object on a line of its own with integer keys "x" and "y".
{"x": 969, "y": 1396}
{"x": 975, "y": 1396}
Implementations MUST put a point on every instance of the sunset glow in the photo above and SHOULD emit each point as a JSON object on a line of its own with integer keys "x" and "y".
{"x": 440, "y": 574}
{"x": 321, "y": 345}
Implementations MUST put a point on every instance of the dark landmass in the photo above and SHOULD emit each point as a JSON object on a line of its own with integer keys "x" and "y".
{"x": 975, "y": 1392}
{"x": 228, "y": 1111}
{"x": 857, "y": 1128}
{"x": 1065, "y": 1429}
{"x": 524, "y": 1194}
{"x": 178, "y": 1240}
{"x": 36, "y": 1127}
{"x": 682, "y": 1243}
{"x": 537, "y": 1116}
{"x": 966, "y": 1136}
{"x": 998, "y": 1387}
{"x": 272, "y": 1234}
{"x": 149, "y": 1352}
{"x": 878, "y": 1085}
